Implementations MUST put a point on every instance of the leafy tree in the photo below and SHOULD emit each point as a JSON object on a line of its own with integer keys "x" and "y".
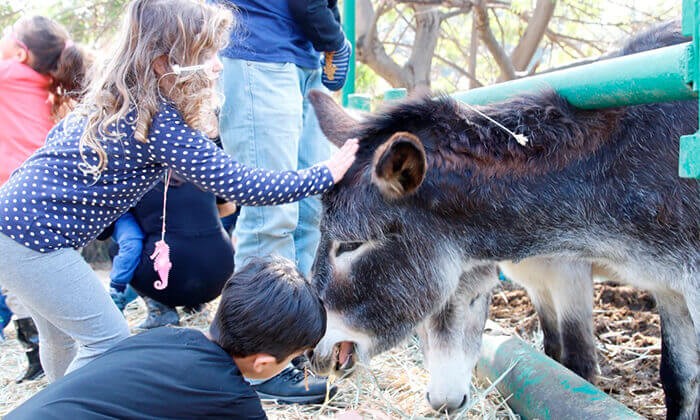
{"x": 89, "y": 22}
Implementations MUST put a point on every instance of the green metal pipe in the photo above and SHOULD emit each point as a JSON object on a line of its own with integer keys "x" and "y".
{"x": 537, "y": 387}
{"x": 349, "y": 28}
{"x": 658, "y": 75}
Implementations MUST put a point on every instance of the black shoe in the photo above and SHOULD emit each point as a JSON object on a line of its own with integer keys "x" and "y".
{"x": 158, "y": 315}
{"x": 289, "y": 387}
{"x": 191, "y": 310}
{"x": 34, "y": 368}
{"x": 301, "y": 362}
{"x": 28, "y": 336}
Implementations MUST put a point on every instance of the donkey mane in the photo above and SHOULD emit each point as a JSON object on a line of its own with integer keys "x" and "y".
{"x": 457, "y": 138}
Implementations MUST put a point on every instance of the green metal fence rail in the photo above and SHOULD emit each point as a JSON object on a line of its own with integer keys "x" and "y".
{"x": 651, "y": 76}
{"x": 537, "y": 387}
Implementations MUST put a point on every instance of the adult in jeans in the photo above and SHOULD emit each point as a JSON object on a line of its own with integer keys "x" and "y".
{"x": 271, "y": 63}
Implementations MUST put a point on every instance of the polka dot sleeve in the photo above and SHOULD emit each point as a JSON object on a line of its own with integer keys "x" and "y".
{"x": 189, "y": 153}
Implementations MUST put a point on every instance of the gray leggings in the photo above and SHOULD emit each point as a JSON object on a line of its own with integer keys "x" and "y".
{"x": 73, "y": 312}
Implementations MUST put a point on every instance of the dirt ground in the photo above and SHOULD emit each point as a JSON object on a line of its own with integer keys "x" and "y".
{"x": 628, "y": 340}
{"x": 393, "y": 385}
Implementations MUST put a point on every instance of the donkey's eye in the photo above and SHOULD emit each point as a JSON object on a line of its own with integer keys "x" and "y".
{"x": 348, "y": 247}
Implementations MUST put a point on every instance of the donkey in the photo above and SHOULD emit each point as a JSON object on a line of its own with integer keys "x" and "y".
{"x": 438, "y": 194}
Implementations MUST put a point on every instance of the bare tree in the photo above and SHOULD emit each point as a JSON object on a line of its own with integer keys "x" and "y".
{"x": 404, "y": 41}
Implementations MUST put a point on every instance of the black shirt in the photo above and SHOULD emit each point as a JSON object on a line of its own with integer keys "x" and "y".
{"x": 163, "y": 373}
{"x": 200, "y": 250}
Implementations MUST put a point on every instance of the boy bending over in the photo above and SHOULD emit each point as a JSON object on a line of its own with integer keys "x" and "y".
{"x": 268, "y": 315}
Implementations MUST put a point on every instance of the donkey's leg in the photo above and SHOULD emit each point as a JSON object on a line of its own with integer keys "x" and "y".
{"x": 679, "y": 356}
{"x": 451, "y": 339}
{"x": 562, "y": 292}
{"x": 533, "y": 275}
{"x": 573, "y": 297}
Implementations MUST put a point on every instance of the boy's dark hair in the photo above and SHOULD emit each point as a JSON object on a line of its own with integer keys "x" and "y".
{"x": 268, "y": 307}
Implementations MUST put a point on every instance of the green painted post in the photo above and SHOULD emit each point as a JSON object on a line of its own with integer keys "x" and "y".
{"x": 537, "y": 387}
{"x": 689, "y": 151}
{"x": 395, "y": 94}
{"x": 349, "y": 28}
{"x": 359, "y": 102}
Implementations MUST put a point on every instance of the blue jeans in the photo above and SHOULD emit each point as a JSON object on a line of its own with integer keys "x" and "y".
{"x": 128, "y": 235}
{"x": 267, "y": 122}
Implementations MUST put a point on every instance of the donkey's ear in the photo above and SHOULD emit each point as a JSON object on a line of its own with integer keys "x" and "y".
{"x": 335, "y": 122}
{"x": 399, "y": 165}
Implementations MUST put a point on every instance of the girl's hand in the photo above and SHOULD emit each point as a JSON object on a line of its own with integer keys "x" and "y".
{"x": 226, "y": 209}
{"x": 341, "y": 161}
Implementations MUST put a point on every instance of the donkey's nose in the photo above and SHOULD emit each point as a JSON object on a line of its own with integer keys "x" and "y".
{"x": 446, "y": 405}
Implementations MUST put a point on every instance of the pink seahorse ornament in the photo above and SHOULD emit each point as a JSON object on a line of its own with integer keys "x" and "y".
{"x": 162, "y": 264}
{"x": 161, "y": 254}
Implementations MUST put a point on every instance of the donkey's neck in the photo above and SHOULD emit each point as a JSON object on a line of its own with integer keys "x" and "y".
{"x": 517, "y": 200}
{"x": 557, "y": 134}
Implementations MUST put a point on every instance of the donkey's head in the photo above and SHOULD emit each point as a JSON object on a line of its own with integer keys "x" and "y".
{"x": 388, "y": 259}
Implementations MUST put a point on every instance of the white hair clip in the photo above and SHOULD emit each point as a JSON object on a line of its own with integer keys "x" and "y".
{"x": 178, "y": 70}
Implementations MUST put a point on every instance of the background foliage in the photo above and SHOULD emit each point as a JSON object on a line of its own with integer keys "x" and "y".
{"x": 575, "y": 30}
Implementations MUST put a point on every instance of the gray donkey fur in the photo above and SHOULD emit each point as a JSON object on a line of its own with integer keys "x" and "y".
{"x": 438, "y": 195}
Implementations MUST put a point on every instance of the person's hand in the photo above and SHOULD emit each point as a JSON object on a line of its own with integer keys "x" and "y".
{"x": 341, "y": 161}
{"x": 335, "y": 66}
{"x": 226, "y": 209}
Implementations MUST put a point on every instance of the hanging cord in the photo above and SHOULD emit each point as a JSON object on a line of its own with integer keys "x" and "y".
{"x": 520, "y": 138}
{"x": 165, "y": 202}
{"x": 161, "y": 254}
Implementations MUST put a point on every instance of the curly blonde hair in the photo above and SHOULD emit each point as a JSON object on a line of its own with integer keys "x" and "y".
{"x": 186, "y": 32}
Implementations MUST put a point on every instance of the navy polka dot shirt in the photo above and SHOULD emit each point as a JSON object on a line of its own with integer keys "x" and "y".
{"x": 49, "y": 203}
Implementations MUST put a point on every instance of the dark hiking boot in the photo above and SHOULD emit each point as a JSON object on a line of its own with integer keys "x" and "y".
{"x": 28, "y": 336}
{"x": 158, "y": 315}
{"x": 290, "y": 387}
{"x": 191, "y": 310}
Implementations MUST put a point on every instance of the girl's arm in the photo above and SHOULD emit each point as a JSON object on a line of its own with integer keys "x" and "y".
{"x": 188, "y": 152}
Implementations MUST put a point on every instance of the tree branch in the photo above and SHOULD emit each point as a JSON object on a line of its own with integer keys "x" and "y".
{"x": 536, "y": 27}
{"x": 426, "y": 38}
{"x": 481, "y": 19}
{"x": 370, "y": 49}
{"x": 473, "y": 81}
